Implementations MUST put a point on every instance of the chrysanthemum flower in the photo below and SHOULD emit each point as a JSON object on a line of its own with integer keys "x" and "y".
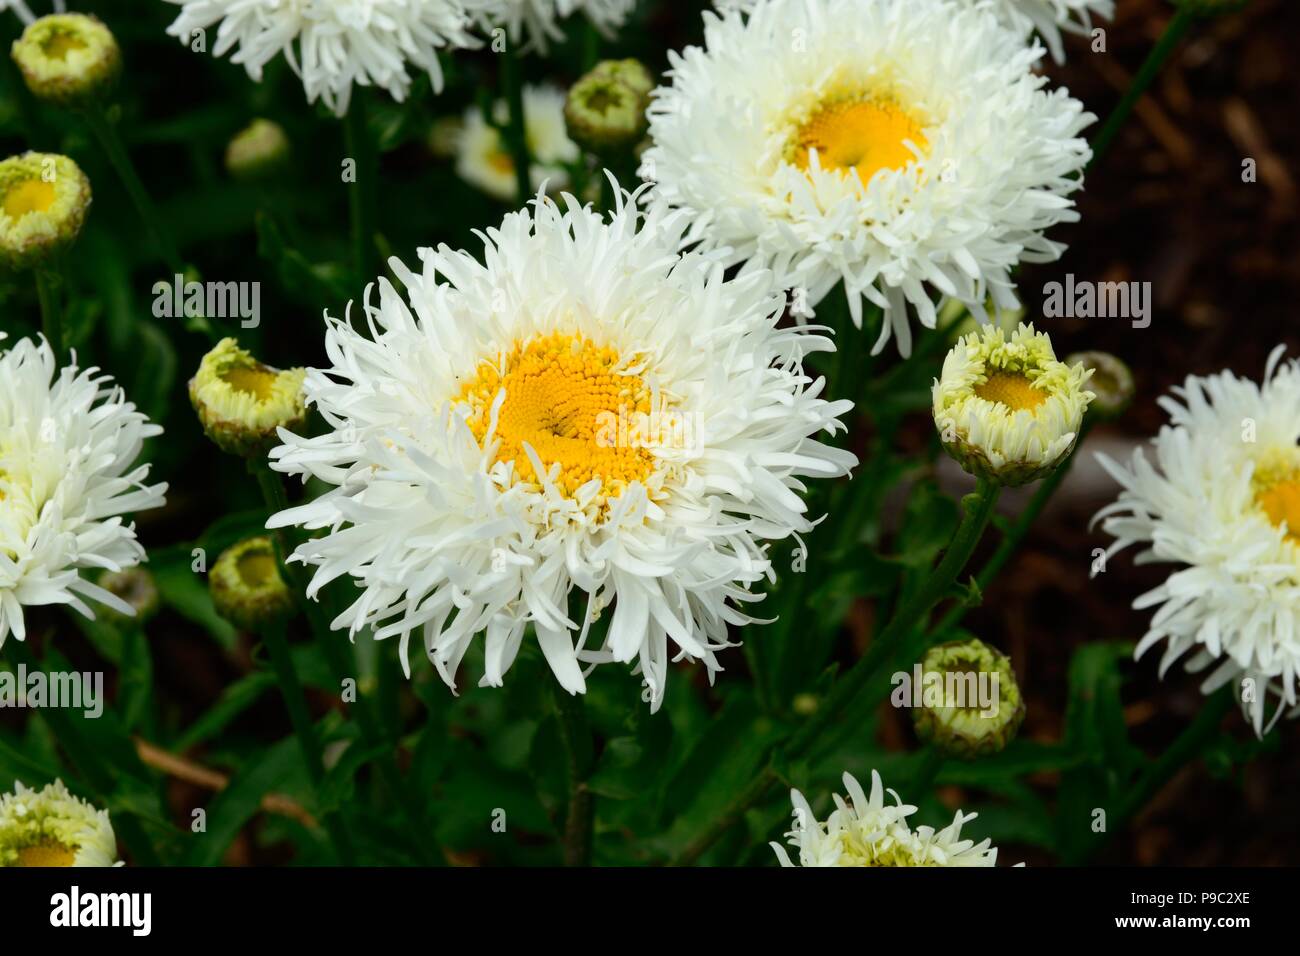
{"x": 67, "y": 444}
{"x": 241, "y": 402}
{"x": 587, "y": 415}
{"x": 1005, "y": 408}
{"x": 51, "y": 827}
{"x": 331, "y": 44}
{"x": 44, "y": 199}
{"x": 537, "y": 22}
{"x": 963, "y": 728}
{"x": 68, "y": 58}
{"x": 1049, "y": 17}
{"x": 1220, "y": 497}
{"x": 903, "y": 147}
{"x": 483, "y": 158}
{"x": 870, "y": 831}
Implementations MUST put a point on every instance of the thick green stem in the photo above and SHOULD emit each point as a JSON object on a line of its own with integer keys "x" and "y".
{"x": 111, "y": 143}
{"x": 343, "y": 667}
{"x": 516, "y": 135}
{"x": 295, "y": 701}
{"x": 87, "y": 760}
{"x": 361, "y": 191}
{"x": 575, "y": 734}
{"x": 47, "y": 292}
{"x": 978, "y": 509}
{"x": 1169, "y": 40}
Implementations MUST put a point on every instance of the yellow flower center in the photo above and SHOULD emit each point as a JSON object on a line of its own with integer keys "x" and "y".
{"x": 255, "y": 380}
{"x": 257, "y": 569}
{"x": 564, "y": 397}
{"x": 1012, "y": 389}
{"x": 45, "y": 854}
{"x": 1277, "y": 490}
{"x": 863, "y": 134}
{"x": 30, "y": 195}
{"x": 60, "y": 44}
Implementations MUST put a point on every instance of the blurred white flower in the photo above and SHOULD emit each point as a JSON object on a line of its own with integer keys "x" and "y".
{"x": 483, "y": 158}
{"x": 538, "y": 22}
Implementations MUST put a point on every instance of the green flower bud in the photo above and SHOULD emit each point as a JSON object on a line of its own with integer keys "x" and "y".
{"x": 605, "y": 110}
{"x": 137, "y": 588}
{"x": 44, "y": 198}
{"x": 1111, "y": 382}
{"x": 969, "y": 731}
{"x": 246, "y": 586}
{"x": 241, "y": 402}
{"x": 257, "y": 152}
{"x": 68, "y": 59}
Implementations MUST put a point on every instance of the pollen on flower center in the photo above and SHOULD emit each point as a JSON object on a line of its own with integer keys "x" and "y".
{"x": 30, "y": 195}
{"x": 45, "y": 854}
{"x": 60, "y": 44}
{"x": 564, "y": 397}
{"x": 1012, "y": 389}
{"x": 257, "y": 568}
{"x": 252, "y": 380}
{"x": 1279, "y": 498}
{"x": 863, "y": 134}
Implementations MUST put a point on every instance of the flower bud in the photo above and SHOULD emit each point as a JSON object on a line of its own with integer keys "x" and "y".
{"x": 979, "y": 726}
{"x": 257, "y": 152}
{"x": 246, "y": 585}
{"x": 1111, "y": 382}
{"x": 605, "y": 110}
{"x": 136, "y": 587}
{"x": 241, "y": 402}
{"x": 68, "y": 59}
{"x": 51, "y": 827}
{"x": 1005, "y": 408}
{"x": 44, "y": 198}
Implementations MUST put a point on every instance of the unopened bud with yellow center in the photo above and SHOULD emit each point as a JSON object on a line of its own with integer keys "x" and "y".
{"x": 1111, "y": 382}
{"x": 44, "y": 198}
{"x": 257, "y": 152}
{"x": 247, "y": 588}
{"x": 68, "y": 59}
{"x": 51, "y": 827}
{"x": 976, "y": 708}
{"x": 606, "y": 109}
{"x": 1005, "y": 408}
{"x": 242, "y": 402}
{"x": 136, "y": 588}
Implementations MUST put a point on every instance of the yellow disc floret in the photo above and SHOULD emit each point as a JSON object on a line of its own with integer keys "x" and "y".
{"x": 565, "y": 397}
{"x": 1276, "y": 483}
{"x": 1012, "y": 389}
{"x": 51, "y": 827}
{"x": 862, "y": 134}
{"x": 43, "y": 202}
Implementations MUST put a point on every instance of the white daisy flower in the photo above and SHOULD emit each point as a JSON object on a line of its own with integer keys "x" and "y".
{"x": 1220, "y": 496}
{"x": 1048, "y": 17}
{"x": 68, "y": 441}
{"x": 586, "y": 414}
{"x": 903, "y": 147}
{"x": 51, "y": 827}
{"x": 483, "y": 158}
{"x": 537, "y": 22}
{"x": 869, "y": 831}
{"x": 1005, "y": 408}
{"x": 331, "y": 44}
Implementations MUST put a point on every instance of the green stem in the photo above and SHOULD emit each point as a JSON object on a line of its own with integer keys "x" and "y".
{"x": 86, "y": 759}
{"x": 361, "y": 206}
{"x": 343, "y": 667}
{"x": 295, "y": 701}
{"x": 120, "y": 160}
{"x": 927, "y": 769}
{"x": 978, "y": 509}
{"x": 1169, "y": 40}
{"x": 515, "y": 133}
{"x": 575, "y": 734}
{"x": 47, "y": 292}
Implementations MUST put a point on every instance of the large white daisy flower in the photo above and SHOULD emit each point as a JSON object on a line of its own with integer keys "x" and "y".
{"x": 1221, "y": 497}
{"x": 584, "y": 414}
{"x": 537, "y": 22}
{"x": 51, "y": 827}
{"x": 484, "y": 160}
{"x": 331, "y": 44}
{"x": 870, "y": 831}
{"x": 68, "y": 441}
{"x": 904, "y": 147}
{"x": 1048, "y": 17}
